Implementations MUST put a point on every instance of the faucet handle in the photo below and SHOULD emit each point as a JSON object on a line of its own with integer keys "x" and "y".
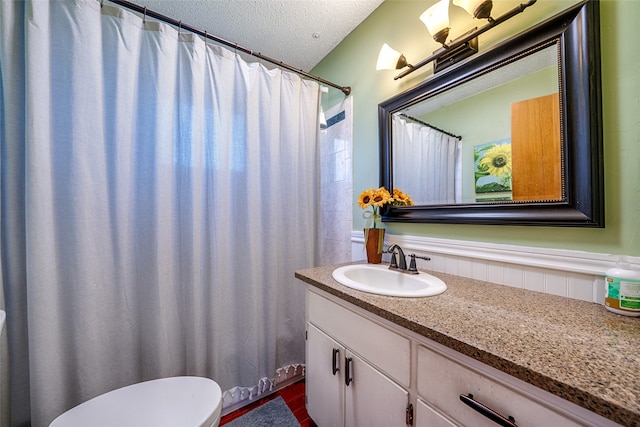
{"x": 394, "y": 262}
{"x": 393, "y": 265}
{"x": 412, "y": 265}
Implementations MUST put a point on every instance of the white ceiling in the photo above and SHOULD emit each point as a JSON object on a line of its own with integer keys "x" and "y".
{"x": 297, "y": 32}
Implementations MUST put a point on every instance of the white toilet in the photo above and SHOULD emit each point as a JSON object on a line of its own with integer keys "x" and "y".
{"x": 166, "y": 402}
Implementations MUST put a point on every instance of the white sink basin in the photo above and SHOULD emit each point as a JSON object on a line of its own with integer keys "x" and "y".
{"x": 378, "y": 279}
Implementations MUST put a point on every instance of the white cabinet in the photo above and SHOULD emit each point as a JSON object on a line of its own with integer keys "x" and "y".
{"x": 392, "y": 367}
{"x": 350, "y": 368}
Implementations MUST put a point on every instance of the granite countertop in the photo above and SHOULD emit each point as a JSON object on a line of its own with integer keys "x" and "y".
{"x": 574, "y": 349}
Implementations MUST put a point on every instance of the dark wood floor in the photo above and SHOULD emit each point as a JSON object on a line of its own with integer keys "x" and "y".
{"x": 293, "y": 396}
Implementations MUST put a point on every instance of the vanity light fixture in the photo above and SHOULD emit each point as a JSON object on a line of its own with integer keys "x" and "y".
{"x": 390, "y": 59}
{"x": 436, "y": 19}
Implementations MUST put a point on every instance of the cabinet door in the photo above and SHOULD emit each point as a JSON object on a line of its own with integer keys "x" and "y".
{"x": 325, "y": 391}
{"x": 371, "y": 398}
{"x": 426, "y": 416}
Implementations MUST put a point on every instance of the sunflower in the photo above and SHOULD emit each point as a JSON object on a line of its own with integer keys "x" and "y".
{"x": 375, "y": 199}
{"x": 381, "y": 197}
{"x": 366, "y": 198}
{"x": 401, "y": 199}
{"x": 497, "y": 161}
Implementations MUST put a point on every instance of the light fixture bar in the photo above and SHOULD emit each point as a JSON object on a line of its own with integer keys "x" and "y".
{"x": 464, "y": 39}
{"x": 452, "y": 56}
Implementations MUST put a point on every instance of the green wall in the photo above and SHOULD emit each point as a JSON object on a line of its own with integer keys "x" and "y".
{"x": 352, "y": 63}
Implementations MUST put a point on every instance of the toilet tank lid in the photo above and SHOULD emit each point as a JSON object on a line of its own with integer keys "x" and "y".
{"x": 183, "y": 401}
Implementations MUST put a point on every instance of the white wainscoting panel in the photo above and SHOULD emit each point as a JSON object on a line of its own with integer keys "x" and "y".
{"x": 572, "y": 274}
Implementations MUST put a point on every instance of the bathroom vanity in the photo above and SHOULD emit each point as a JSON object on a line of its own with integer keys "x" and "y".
{"x": 479, "y": 354}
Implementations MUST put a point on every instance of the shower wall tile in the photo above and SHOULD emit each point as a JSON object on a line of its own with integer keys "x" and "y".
{"x": 336, "y": 187}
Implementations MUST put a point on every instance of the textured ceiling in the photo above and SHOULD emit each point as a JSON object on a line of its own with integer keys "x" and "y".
{"x": 297, "y": 32}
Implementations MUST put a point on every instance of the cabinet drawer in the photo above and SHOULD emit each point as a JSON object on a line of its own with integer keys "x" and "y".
{"x": 441, "y": 381}
{"x": 383, "y": 348}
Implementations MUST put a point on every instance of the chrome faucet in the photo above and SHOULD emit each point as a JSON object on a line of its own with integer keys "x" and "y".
{"x": 401, "y": 264}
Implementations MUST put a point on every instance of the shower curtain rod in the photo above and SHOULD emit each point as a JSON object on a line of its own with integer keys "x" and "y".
{"x": 147, "y": 12}
{"x": 406, "y": 116}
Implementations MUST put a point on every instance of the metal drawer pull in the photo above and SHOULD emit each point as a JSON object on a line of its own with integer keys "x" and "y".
{"x": 487, "y": 412}
{"x": 347, "y": 371}
{"x": 334, "y": 362}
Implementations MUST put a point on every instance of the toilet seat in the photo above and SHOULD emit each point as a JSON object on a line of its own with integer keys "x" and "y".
{"x": 166, "y": 402}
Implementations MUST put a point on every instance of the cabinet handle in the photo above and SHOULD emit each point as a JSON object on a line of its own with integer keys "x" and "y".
{"x": 487, "y": 412}
{"x": 347, "y": 371}
{"x": 334, "y": 361}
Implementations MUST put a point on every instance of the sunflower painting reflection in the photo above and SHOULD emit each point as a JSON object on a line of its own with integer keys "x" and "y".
{"x": 493, "y": 169}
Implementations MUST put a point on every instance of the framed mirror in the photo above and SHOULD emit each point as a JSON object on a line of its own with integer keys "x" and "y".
{"x": 511, "y": 137}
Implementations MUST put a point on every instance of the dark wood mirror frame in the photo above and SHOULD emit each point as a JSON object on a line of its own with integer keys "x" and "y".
{"x": 576, "y": 31}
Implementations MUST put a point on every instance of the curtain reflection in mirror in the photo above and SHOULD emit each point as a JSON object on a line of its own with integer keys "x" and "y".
{"x": 427, "y": 162}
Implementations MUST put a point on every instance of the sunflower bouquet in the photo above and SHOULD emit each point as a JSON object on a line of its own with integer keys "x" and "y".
{"x": 376, "y": 199}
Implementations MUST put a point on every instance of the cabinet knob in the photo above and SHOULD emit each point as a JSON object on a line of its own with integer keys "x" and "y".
{"x": 334, "y": 361}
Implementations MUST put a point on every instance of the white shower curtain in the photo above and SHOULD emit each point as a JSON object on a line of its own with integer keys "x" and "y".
{"x": 427, "y": 163}
{"x": 157, "y": 194}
